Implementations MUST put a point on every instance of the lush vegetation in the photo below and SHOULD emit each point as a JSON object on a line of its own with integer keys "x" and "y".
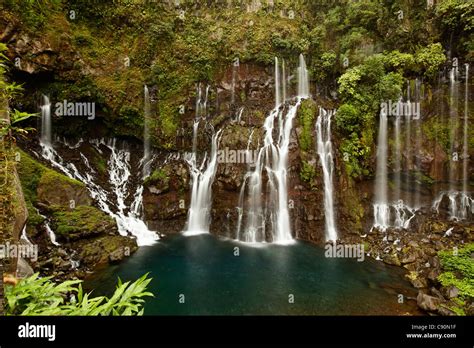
{"x": 368, "y": 45}
{"x": 308, "y": 173}
{"x": 458, "y": 271}
{"x": 41, "y": 296}
{"x": 307, "y": 115}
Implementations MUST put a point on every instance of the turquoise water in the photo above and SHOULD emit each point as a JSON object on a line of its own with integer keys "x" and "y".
{"x": 261, "y": 280}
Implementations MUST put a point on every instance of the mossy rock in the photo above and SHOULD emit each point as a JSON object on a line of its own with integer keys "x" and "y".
{"x": 44, "y": 185}
{"x": 159, "y": 179}
{"x": 306, "y": 116}
{"x": 104, "y": 249}
{"x": 81, "y": 222}
{"x": 57, "y": 189}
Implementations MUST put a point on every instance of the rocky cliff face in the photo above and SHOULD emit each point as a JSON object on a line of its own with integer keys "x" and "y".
{"x": 239, "y": 109}
{"x": 239, "y": 97}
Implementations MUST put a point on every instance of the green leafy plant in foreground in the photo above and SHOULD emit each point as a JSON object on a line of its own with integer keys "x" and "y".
{"x": 41, "y": 296}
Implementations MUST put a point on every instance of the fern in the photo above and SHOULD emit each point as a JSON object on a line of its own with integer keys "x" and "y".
{"x": 41, "y": 296}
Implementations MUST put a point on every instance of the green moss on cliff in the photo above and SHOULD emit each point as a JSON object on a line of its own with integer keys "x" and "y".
{"x": 308, "y": 173}
{"x": 33, "y": 174}
{"x": 159, "y": 177}
{"x": 362, "y": 89}
{"x": 306, "y": 115}
{"x": 82, "y": 221}
{"x": 438, "y": 131}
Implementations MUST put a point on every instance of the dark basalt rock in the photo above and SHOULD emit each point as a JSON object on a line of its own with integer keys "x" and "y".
{"x": 427, "y": 302}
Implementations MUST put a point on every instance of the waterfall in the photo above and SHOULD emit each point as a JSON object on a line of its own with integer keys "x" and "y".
{"x": 202, "y": 102}
{"x": 24, "y": 237}
{"x": 46, "y": 136}
{"x": 453, "y": 95}
{"x": 395, "y": 212}
{"x": 324, "y": 148}
{"x": 381, "y": 207}
{"x": 202, "y": 175}
{"x": 303, "y": 79}
{"x": 459, "y": 203}
{"x": 51, "y": 235}
{"x": 277, "y": 84}
{"x": 239, "y": 115}
{"x": 283, "y": 80}
{"x": 240, "y": 207}
{"x": 398, "y": 159}
{"x": 272, "y": 160}
{"x": 282, "y": 230}
{"x": 465, "y": 200}
{"x": 273, "y": 157}
{"x": 199, "y": 213}
{"x": 119, "y": 176}
{"x": 418, "y": 145}
{"x": 129, "y": 221}
{"x": 280, "y": 81}
{"x": 46, "y": 142}
{"x": 195, "y": 131}
{"x": 235, "y": 66}
{"x": 408, "y": 140}
{"x": 146, "y": 134}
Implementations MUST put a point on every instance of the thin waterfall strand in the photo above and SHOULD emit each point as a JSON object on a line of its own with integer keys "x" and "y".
{"x": 324, "y": 149}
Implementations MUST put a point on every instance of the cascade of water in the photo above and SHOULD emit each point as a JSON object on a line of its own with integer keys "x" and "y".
{"x": 119, "y": 175}
{"x": 400, "y": 215}
{"x": 46, "y": 137}
{"x": 202, "y": 101}
{"x": 24, "y": 237}
{"x": 398, "y": 160}
{"x": 128, "y": 222}
{"x": 201, "y": 189}
{"x": 234, "y": 77}
{"x": 381, "y": 207}
{"x": 273, "y": 158}
{"x": 282, "y": 229}
{"x": 46, "y": 132}
{"x": 403, "y": 214}
{"x": 418, "y": 138}
{"x": 283, "y": 80}
{"x": 277, "y": 84}
{"x": 239, "y": 115}
{"x": 460, "y": 205}
{"x": 303, "y": 79}
{"x": 240, "y": 207}
{"x": 408, "y": 143}
{"x": 396, "y": 213}
{"x": 195, "y": 131}
{"x": 465, "y": 200}
{"x": 453, "y": 94}
{"x": 51, "y": 235}
{"x": 324, "y": 148}
{"x": 146, "y": 134}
